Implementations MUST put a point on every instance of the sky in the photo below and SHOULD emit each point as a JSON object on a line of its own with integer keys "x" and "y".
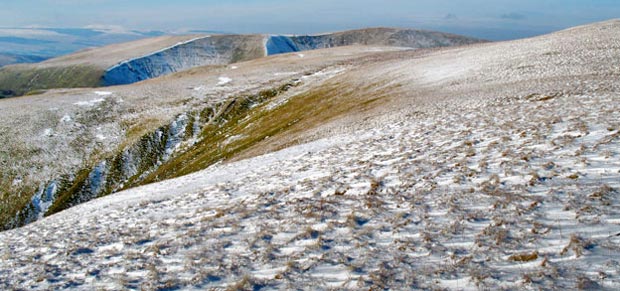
{"x": 489, "y": 19}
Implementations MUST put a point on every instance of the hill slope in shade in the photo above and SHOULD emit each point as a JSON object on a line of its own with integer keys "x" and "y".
{"x": 202, "y": 51}
{"x": 150, "y": 58}
{"x": 411, "y": 38}
{"x": 8, "y": 59}
{"x": 488, "y": 166}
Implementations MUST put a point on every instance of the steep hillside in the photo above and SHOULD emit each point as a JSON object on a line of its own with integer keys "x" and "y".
{"x": 211, "y": 50}
{"x": 490, "y": 166}
{"x": 150, "y": 58}
{"x": 372, "y": 36}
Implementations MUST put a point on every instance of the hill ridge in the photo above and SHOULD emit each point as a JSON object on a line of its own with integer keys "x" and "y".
{"x": 186, "y": 52}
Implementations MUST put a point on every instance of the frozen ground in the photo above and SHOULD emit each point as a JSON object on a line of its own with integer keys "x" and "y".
{"x": 515, "y": 193}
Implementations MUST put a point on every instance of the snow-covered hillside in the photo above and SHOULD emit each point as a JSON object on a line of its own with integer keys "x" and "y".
{"x": 511, "y": 193}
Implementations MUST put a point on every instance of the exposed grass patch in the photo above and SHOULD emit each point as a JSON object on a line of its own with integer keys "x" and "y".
{"x": 34, "y": 92}
{"x": 12, "y": 202}
{"x": 16, "y": 188}
{"x": 69, "y": 197}
{"x": 525, "y": 257}
{"x": 222, "y": 122}
{"x": 252, "y": 125}
{"x": 135, "y": 130}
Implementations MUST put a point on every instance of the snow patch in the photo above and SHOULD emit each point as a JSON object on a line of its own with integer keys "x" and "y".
{"x": 232, "y": 139}
{"x": 48, "y": 132}
{"x": 66, "y": 118}
{"x": 103, "y": 93}
{"x": 44, "y": 198}
{"x": 327, "y": 73}
{"x": 89, "y": 103}
{"x": 223, "y": 81}
{"x": 285, "y": 73}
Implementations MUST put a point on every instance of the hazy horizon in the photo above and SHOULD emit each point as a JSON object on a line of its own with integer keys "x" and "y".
{"x": 493, "y": 20}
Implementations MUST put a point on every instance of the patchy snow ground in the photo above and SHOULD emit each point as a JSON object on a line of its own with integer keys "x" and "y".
{"x": 515, "y": 193}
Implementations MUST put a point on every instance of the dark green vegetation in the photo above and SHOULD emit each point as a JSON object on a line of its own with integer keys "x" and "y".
{"x": 245, "y": 130}
{"x": 20, "y": 80}
{"x": 230, "y": 128}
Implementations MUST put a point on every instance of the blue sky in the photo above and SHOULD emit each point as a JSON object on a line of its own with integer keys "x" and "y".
{"x": 491, "y": 19}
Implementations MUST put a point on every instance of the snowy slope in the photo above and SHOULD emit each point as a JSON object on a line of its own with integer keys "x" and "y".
{"x": 513, "y": 193}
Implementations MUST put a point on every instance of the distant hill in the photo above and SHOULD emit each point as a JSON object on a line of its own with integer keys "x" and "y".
{"x": 84, "y": 68}
{"x": 53, "y": 42}
{"x": 7, "y": 59}
{"x": 149, "y": 58}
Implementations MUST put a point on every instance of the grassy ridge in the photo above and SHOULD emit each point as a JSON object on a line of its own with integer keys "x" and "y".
{"x": 245, "y": 128}
{"x": 22, "y": 80}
